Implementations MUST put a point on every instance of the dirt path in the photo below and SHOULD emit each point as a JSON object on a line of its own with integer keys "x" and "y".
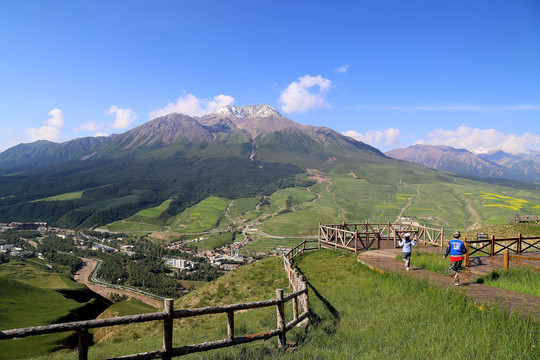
{"x": 409, "y": 202}
{"x": 82, "y": 277}
{"x": 480, "y": 294}
{"x": 476, "y": 219}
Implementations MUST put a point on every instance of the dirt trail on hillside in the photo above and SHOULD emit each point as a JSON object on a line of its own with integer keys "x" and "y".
{"x": 409, "y": 202}
{"x": 475, "y": 219}
{"x": 82, "y": 277}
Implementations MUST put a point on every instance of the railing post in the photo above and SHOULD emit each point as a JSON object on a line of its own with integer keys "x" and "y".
{"x": 442, "y": 236}
{"x": 466, "y": 253}
{"x": 168, "y": 308}
{"x": 320, "y": 231}
{"x": 506, "y": 259}
{"x": 83, "y": 344}
{"x": 295, "y": 307}
{"x": 492, "y": 252}
{"x": 280, "y": 312}
{"x": 520, "y": 238}
{"x": 305, "y": 302}
{"x": 230, "y": 326}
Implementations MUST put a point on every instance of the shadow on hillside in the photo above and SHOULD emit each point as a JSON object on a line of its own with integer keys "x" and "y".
{"x": 317, "y": 320}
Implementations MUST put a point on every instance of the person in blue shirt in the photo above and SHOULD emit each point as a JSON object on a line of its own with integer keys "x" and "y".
{"x": 406, "y": 244}
{"x": 456, "y": 248}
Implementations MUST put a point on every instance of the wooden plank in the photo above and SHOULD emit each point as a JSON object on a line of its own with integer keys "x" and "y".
{"x": 79, "y": 325}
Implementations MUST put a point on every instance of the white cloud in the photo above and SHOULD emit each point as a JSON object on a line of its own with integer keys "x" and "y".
{"x": 300, "y": 96}
{"x": 57, "y": 118}
{"x": 101, "y": 133}
{"x": 189, "y": 104}
{"x": 51, "y": 130}
{"x": 342, "y": 69}
{"x": 376, "y": 138}
{"x": 483, "y": 140}
{"x": 123, "y": 117}
{"x": 90, "y": 126}
{"x": 45, "y": 132}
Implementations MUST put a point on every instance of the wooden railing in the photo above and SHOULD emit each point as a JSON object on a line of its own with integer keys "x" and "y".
{"x": 334, "y": 236}
{"x": 169, "y": 314}
{"x": 495, "y": 246}
{"x": 300, "y": 249}
{"x": 514, "y": 258}
{"x": 387, "y": 231}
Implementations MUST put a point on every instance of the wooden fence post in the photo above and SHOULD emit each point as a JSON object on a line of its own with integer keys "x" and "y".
{"x": 506, "y": 259}
{"x": 492, "y": 252}
{"x": 230, "y": 326}
{"x": 520, "y": 237}
{"x": 319, "y": 243}
{"x": 168, "y": 328}
{"x": 466, "y": 253}
{"x": 280, "y": 312}
{"x": 305, "y": 301}
{"x": 83, "y": 344}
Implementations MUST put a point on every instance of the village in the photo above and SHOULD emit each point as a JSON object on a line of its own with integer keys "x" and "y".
{"x": 227, "y": 257}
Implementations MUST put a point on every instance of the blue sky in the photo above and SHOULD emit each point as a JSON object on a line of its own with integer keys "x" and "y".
{"x": 391, "y": 73}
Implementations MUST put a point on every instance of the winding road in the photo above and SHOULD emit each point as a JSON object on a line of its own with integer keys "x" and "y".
{"x": 84, "y": 272}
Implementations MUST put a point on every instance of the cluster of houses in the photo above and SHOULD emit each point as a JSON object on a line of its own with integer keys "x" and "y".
{"x": 15, "y": 250}
{"x": 226, "y": 257}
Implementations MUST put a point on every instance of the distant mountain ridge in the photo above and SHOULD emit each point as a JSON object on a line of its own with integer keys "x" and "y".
{"x": 242, "y": 126}
{"x": 461, "y": 161}
{"x": 44, "y": 153}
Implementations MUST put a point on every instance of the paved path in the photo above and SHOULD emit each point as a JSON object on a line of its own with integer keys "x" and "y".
{"x": 82, "y": 277}
{"x": 481, "y": 294}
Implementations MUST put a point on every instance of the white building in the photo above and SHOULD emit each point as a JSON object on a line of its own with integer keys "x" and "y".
{"x": 181, "y": 263}
{"x": 6, "y": 247}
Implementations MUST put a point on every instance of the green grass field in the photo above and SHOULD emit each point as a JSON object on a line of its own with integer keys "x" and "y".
{"x": 265, "y": 244}
{"x": 206, "y": 215}
{"x": 213, "y": 241}
{"x": 63, "y": 197}
{"x": 29, "y": 297}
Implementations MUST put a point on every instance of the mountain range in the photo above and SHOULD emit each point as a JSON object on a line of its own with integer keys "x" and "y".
{"x": 235, "y": 152}
{"x": 524, "y": 167}
{"x": 275, "y": 174}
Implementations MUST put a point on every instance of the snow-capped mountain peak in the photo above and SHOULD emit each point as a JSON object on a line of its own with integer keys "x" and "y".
{"x": 250, "y": 110}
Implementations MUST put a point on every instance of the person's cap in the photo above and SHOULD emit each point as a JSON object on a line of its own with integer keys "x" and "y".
{"x": 407, "y": 235}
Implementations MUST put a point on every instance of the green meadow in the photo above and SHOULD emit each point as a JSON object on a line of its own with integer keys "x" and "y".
{"x": 373, "y": 192}
{"x": 30, "y": 295}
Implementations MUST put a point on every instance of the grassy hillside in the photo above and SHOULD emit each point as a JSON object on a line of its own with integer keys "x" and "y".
{"x": 350, "y": 192}
{"x": 359, "y": 314}
{"x": 32, "y": 295}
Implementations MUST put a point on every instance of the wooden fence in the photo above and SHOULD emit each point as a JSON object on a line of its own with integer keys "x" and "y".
{"x": 300, "y": 249}
{"x": 169, "y": 314}
{"x": 514, "y": 258}
{"x": 363, "y": 236}
{"x": 340, "y": 237}
{"x": 495, "y": 246}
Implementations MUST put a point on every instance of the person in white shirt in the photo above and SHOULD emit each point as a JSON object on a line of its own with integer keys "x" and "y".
{"x": 406, "y": 244}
